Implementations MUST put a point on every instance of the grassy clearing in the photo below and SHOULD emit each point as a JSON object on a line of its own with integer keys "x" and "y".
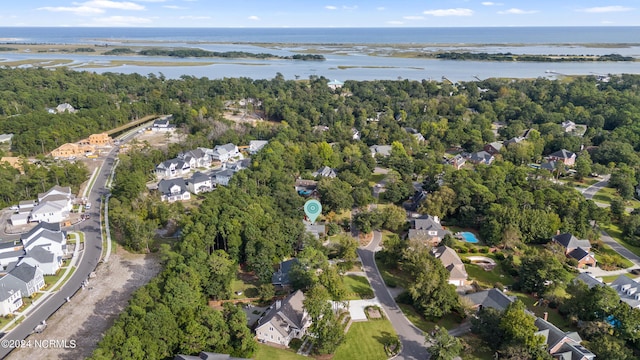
{"x": 607, "y": 250}
{"x": 392, "y": 276}
{"x": 611, "y": 278}
{"x": 448, "y": 322}
{"x": 246, "y": 284}
{"x": 607, "y": 194}
{"x": 488, "y": 278}
{"x": 365, "y": 340}
{"x": 554, "y": 316}
{"x": 266, "y": 352}
{"x": 357, "y": 287}
{"x": 616, "y": 233}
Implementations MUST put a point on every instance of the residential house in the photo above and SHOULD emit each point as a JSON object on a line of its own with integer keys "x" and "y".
{"x": 99, "y": 139}
{"x": 53, "y": 206}
{"x": 65, "y": 107}
{"x": 12, "y": 256}
{"x": 43, "y": 259}
{"x": 577, "y": 249}
{"x": 172, "y": 168}
{"x": 238, "y": 165}
{"x": 325, "y": 171}
{"x": 416, "y": 134}
{"x": 589, "y": 280}
{"x": 493, "y": 298}
{"x": 568, "y": 126}
{"x": 494, "y": 147}
{"x": 514, "y": 140}
{"x": 549, "y": 166}
{"x": 627, "y": 289}
{"x": 222, "y": 177}
{"x": 173, "y": 190}
{"x": 162, "y": 124}
{"x": 10, "y": 300}
{"x": 451, "y": 261}
{"x": 355, "y": 134}
{"x": 19, "y": 219}
{"x": 316, "y": 230}
{"x": 197, "y": 158}
{"x": 427, "y": 229}
{"x": 562, "y": 345}
{"x": 306, "y": 187}
{"x": 286, "y": 320}
{"x": 5, "y": 138}
{"x": 481, "y": 157}
{"x": 26, "y": 205}
{"x": 199, "y": 183}
{"x": 49, "y": 236}
{"x": 335, "y": 84}
{"x": 565, "y": 156}
{"x": 56, "y": 190}
{"x": 72, "y": 149}
{"x": 224, "y": 153}
{"x": 24, "y": 277}
{"x": 457, "y": 161}
{"x": 256, "y": 145}
{"x": 382, "y": 150}
{"x": 281, "y": 277}
{"x": 418, "y": 198}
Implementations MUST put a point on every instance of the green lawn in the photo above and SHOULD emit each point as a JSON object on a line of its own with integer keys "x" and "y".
{"x": 448, "y": 322}
{"x": 616, "y": 233}
{"x": 392, "y": 276}
{"x": 488, "y": 278}
{"x": 73, "y": 269}
{"x": 607, "y": 250}
{"x": 611, "y": 278}
{"x": 357, "y": 287}
{"x": 52, "y": 279}
{"x": 246, "y": 285}
{"x": 365, "y": 340}
{"x": 607, "y": 194}
{"x": 266, "y": 352}
{"x": 554, "y": 317}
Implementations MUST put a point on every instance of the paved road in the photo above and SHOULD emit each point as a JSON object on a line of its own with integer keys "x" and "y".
{"x": 411, "y": 337}
{"x": 87, "y": 263}
{"x": 593, "y": 189}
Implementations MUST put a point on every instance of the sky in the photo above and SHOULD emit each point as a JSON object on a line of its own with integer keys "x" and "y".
{"x": 324, "y": 13}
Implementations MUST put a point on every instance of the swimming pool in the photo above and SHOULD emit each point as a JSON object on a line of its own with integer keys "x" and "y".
{"x": 469, "y": 237}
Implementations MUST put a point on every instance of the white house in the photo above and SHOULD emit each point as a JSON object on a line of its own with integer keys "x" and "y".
{"x": 382, "y": 150}
{"x": 286, "y": 320}
{"x": 27, "y": 278}
{"x": 65, "y": 108}
{"x": 19, "y": 219}
{"x": 568, "y": 126}
{"x": 162, "y": 124}
{"x": 224, "y": 153}
{"x": 238, "y": 165}
{"x": 222, "y": 177}
{"x": 53, "y": 205}
{"x": 10, "y": 301}
{"x": 199, "y": 183}
{"x": 325, "y": 171}
{"x": 173, "y": 168}
{"x": 47, "y": 236}
{"x": 43, "y": 259}
{"x": 26, "y": 205}
{"x": 256, "y": 145}
{"x": 197, "y": 158}
{"x": 173, "y": 190}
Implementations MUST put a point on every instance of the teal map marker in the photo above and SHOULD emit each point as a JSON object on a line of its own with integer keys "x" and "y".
{"x": 313, "y": 209}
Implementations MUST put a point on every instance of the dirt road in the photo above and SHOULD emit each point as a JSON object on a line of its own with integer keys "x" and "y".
{"x": 93, "y": 310}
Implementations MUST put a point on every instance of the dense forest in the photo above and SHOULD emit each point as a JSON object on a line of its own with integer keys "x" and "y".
{"x": 255, "y": 221}
{"x": 482, "y": 56}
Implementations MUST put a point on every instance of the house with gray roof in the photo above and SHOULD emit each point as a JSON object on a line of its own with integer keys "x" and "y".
{"x": 224, "y": 153}
{"x": 27, "y": 278}
{"x": 48, "y": 236}
{"x": 222, "y": 177}
{"x": 44, "y": 259}
{"x": 281, "y": 277}
{"x": 427, "y": 229}
{"x": 199, "y": 183}
{"x": 577, "y": 249}
{"x": 238, "y": 165}
{"x": 568, "y": 126}
{"x": 173, "y": 190}
{"x": 197, "y": 158}
{"x": 492, "y": 298}
{"x": 286, "y": 320}
{"x": 380, "y": 150}
{"x": 10, "y": 300}
{"x": 9, "y": 257}
{"x": 627, "y": 289}
{"x": 565, "y": 156}
{"x": 494, "y": 147}
{"x": 317, "y": 230}
{"x": 5, "y": 138}
{"x": 589, "y": 280}
{"x": 560, "y": 344}
{"x": 325, "y": 171}
{"x": 481, "y": 157}
{"x": 172, "y": 168}
{"x": 256, "y": 145}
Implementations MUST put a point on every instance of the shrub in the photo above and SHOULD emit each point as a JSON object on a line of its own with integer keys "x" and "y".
{"x": 333, "y": 229}
{"x": 295, "y": 344}
{"x": 500, "y": 256}
{"x": 498, "y": 285}
{"x": 473, "y": 250}
{"x": 484, "y": 250}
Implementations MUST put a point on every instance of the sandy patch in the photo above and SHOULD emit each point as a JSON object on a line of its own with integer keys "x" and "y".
{"x": 93, "y": 310}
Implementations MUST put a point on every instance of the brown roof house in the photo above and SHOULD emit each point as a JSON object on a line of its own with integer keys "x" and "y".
{"x": 565, "y": 156}
{"x": 427, "y": 229}
{"x": 577, "y": 249}
{"x": 451, "y": 261}
{"x": 287, "y": 319}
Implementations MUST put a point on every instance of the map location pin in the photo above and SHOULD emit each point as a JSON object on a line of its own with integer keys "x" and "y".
{"x": 313, "y": 209}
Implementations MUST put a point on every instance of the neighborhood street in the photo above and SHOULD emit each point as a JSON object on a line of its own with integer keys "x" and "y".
{"x": 86, "y": 264}
{"x": 411, "y": 337}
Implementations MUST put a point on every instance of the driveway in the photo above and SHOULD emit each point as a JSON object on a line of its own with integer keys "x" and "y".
{"x": 593, "y": 189}
{"x": 412, "y": 338}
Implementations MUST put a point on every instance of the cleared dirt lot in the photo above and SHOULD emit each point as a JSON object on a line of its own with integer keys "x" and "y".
{"x": 93, "y": 310}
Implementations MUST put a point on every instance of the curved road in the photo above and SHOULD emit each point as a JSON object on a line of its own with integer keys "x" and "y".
{"x": 411, "y": 337}
{"x": 88, "y": 261}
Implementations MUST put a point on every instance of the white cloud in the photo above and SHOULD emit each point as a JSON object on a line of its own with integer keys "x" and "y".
{"x": 107, "y": 4}
{"x": 330, "y": 7}
{"x": 78, "y": 10}
{"x": 490, "y": 3}
{"x": 121, "y": 21}
{"x": 606, "y": 9}
{"x": 192, "y": 17}
{"x": 175, "y": 7}
{"x": 515, "y": 11}
{"x": 349, "y": 7}
{"x": 411, "y": 17}
{"x": 253, "y": 17}
{"x": 449, "y": 12}
{"x": 395, "y": 22}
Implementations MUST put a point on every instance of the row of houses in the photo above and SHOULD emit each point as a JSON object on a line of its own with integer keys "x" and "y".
{"x": 52, "y": 206}
{"x": 487, "y": 157}
{"x": 559, "y": 344}
{"x": 83, "y": 147}
{"x": 24, "y": 263}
